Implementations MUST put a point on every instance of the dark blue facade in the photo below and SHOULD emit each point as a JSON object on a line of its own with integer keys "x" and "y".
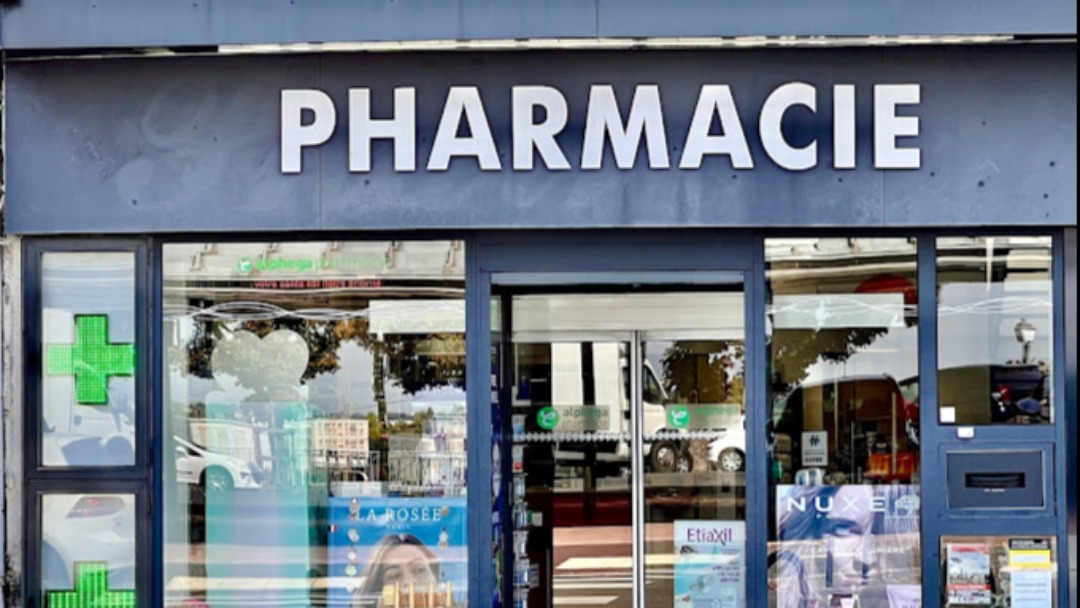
{"x": 156, "y": 149}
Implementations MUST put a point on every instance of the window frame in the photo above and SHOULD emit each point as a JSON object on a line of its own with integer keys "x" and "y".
{"x": 144, "y": 480}
{"x": 476, "y": 464}
{"x": 39, "y": 480}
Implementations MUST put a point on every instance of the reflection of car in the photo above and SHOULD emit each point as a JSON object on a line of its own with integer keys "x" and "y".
{"x": 196, "y": 465}
{"x": 83, "y": 435}
{"x": 88, "y": 528}
{"x": 728, "y": 451}
{"x": 991, "y": 394}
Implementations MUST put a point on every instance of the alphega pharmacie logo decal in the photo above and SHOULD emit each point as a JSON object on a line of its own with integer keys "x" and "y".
{"x": 678, "y": 417}
{"x": 548, "y": 418}
{"x": 300, "y": 265}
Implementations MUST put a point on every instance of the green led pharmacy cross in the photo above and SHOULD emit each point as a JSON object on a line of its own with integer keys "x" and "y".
{"x": 91, "y": 590}
{"x": 92, "y": 359}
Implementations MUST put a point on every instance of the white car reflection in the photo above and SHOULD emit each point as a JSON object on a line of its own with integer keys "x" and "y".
{"x": 199, "y": 466}
{"x": 727, "y": 451}
{"x": 87, "y": 528}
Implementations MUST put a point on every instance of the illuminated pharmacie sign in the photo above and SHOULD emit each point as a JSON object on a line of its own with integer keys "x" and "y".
{"x": 539, "y": 114}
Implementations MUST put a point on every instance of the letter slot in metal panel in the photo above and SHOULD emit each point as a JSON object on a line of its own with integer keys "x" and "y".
{"x": 996, "y": 480}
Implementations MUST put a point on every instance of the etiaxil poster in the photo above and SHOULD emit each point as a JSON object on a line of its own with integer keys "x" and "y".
{"x": 710, "y": 564}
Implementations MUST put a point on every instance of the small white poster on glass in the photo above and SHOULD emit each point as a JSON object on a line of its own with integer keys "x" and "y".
{"x": 710, "y": 564}
{"x": 815, "y": 449}
{"x": 1032, "y": 579}
{"x": 1032, "y": 588}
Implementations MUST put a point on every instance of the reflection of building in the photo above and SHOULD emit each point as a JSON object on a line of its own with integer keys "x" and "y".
{"x": 432, "y": 463}
{"x": 340, "y": 445}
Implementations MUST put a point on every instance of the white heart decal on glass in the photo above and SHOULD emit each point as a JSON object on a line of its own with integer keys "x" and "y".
{"x": 271, "y": 366}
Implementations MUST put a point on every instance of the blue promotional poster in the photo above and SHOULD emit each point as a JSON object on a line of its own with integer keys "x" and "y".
{"x": 398, "y": 552}
{"x": 710, "y": 564}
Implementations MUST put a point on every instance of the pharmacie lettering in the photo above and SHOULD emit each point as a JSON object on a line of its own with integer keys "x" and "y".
{"x": 539, "y": 114}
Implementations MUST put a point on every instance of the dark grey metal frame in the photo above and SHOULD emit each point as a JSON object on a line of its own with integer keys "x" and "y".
{"x": 38, "y": 480}
{"x": 938, "y": 520}
{"x": 1070, "y": 413}
{"x": 635, "y": 251}
{"x": 506, "y": 285}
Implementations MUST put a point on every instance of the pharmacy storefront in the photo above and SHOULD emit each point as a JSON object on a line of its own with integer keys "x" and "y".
{"x": 739, "y": 328}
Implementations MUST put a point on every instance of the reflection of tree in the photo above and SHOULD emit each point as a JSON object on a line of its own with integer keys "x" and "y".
{"x": 713, "y": 374}
{"x": 794, "y": 351}
{"x": 415, "y": 362}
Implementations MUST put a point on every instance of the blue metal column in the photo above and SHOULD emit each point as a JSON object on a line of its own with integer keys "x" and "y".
{"x": 478, "y": 379}
{"x": 758, "y": 411}
{"x": 1064, "y": 411}
{"x": 1070, "y": 413}
{"x": 932, "y": 475}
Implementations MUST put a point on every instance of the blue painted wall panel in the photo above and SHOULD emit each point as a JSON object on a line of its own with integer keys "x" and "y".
{"x": 145, "y": 146}
{"x": 634, "y": 18}
{"x": 1071, "y": 412}
{"x": 1002, "y": 147}
{"x": 194, "y": 143}
{"x": 148, "y": 23}
{"x": 36, "y": 24}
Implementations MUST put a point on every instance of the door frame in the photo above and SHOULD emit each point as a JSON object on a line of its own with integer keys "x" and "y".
{"x": 521, "y": 284}
{"x": 501, "y": 261}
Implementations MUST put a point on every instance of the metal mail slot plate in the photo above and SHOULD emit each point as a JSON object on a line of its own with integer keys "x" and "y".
{"x": 996, "y": 480}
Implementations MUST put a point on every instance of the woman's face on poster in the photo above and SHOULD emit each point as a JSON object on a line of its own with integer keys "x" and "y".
{"x": 848, "y": 532}
{"x": 407, "y": 565}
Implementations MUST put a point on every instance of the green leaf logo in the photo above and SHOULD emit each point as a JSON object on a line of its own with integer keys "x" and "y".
{"x": 548, "y": 418}
{"x": 678, "y": 417}
{"x": 244, "y": 265}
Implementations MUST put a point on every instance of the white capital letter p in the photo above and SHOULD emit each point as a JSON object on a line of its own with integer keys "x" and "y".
{"x": 295, "y": 135}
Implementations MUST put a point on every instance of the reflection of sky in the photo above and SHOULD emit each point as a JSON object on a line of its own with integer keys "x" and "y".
{"x": 894, "y": 354}
{"x": 975, "y": 328}
{"x": 977, "y": 322}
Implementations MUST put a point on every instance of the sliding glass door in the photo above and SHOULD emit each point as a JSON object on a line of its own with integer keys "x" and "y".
{"x": 628, "y": 447}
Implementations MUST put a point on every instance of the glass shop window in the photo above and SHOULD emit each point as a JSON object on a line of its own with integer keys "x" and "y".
{"x": 89, "y": 413}
{"x": 995, "y": 330}
{"x": 844, "y": 426}
{"x": 316, "y": 424}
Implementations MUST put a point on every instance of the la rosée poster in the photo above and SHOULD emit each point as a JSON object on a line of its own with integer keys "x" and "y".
{"x": 388, "y": 551}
